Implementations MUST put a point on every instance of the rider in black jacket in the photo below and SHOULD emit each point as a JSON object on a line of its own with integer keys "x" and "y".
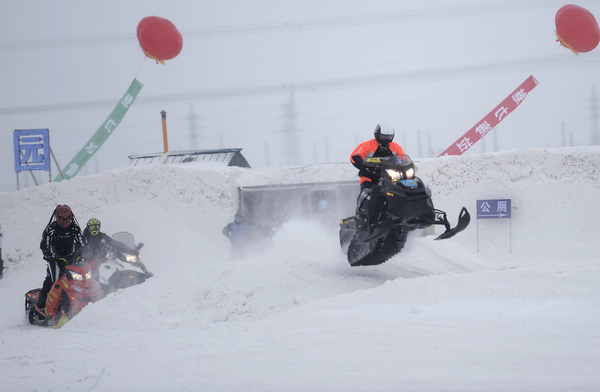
{"x": 97, "y": 243}
{"x": 61, "y": 244}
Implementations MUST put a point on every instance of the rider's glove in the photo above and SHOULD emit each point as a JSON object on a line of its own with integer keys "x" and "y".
{"x": 357, "y": 161}
{"x": 370, "y": 172}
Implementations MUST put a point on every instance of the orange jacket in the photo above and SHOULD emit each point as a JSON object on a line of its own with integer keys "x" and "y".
{"x": 367, "y": 149}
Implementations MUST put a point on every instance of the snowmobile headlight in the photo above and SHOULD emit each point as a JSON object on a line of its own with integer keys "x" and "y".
{"x": 410, "y": 173}
{"x": 79, "y": 277}
{"x": 394, "y": 174}
{"x": 131, "y": 258}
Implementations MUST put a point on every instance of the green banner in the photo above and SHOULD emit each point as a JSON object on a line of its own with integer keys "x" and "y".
{"x": 105, "y": 130}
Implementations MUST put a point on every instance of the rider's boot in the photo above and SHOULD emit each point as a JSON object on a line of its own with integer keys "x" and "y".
{"x": 42, "y": 309}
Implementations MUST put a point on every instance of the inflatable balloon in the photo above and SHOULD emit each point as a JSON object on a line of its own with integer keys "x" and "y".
{"x": 577, "y": 29}
{"x": 159, "y": 38}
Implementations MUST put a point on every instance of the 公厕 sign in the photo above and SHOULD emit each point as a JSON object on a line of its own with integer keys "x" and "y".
{"x": 493, "y": 209}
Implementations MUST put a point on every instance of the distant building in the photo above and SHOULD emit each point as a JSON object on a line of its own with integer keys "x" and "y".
{"x": 227, "y": 156}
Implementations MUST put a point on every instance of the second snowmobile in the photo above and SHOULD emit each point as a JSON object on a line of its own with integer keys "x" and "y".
{"x": 388, "y": 212}
{"x": 123, "y": 267}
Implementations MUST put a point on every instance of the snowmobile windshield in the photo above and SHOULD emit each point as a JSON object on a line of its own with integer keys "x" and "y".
{"x": 125, "y": 238}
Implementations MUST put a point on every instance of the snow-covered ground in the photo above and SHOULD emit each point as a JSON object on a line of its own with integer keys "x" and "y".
{"x": 520, "y": 314}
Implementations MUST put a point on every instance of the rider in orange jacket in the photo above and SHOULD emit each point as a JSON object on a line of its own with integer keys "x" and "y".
{"x": 381, "y": 146}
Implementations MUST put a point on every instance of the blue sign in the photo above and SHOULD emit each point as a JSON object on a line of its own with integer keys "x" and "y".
{"x": 323, "y": 204}
{"x": 493, "y": 209}
{"x": 32, "y": 150}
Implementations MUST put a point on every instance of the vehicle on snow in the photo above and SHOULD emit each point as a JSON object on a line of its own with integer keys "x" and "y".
{"x": 402, "y": 204}
{"x": 123, "y": 265}
{"x": 68, "y": 296}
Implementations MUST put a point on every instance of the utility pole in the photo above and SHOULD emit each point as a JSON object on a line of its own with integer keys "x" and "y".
{"x": 495, "y": 138}
{"x": 430, "y": 147}
{"x": 267, "y": 161}
{"x": 595, "y": 138}
{"x": 483, "y": 144}
{"x": 193, "y": 127}
{"x": 289, "y": 143}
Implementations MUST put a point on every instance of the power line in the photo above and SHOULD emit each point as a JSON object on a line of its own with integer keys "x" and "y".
{"x": 528, "y": 65}
{"x": 444, "y": 12}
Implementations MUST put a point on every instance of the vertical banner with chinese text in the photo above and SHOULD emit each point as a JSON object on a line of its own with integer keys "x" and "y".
{"x": 492, "y": 119}
{"x": 102, "y": 134}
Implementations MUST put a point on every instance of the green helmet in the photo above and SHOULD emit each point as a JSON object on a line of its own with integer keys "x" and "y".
{"x": 93, "y": 226}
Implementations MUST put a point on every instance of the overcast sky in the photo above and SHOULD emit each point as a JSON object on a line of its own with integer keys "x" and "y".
{"x": 328, "y": 70}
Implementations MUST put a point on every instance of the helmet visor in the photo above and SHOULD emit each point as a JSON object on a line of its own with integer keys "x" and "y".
{"x": 385, "y": 138}
{"x": 63, "y": 216}
{"x": 94, "y": 228}
{"x": 63, "y": 221}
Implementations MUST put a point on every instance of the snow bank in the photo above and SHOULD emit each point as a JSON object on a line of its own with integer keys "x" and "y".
{"x": 554, "y": 195}
{"x": 178, "y": 210}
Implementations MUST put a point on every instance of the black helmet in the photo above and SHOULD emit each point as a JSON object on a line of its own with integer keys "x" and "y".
{"x": 384, "y": 134}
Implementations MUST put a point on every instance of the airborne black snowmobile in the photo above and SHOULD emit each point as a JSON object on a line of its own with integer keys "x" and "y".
{"x": 385, "y": 214}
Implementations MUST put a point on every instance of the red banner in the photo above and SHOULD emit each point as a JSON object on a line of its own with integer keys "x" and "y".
{"x": 492, "y": 119}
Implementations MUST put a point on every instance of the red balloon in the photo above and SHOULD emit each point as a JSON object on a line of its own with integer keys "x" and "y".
{"x": 577, "y": 29}
{"x": 159, "y": 38}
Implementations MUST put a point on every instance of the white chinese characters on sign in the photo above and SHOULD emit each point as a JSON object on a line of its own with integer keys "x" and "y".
{"x": 464, "y": 144}
{"x": 485, "y": 207}
{"x": 502, "y": 206}
{"x": 127, "y": 100}
{"x": 91, "y": 148}
{"x": 110, "y": 125}
{"x": 519, "y": 96}
{"x": 501, "y": 112}
{"x": 483, "y": 128}
{"x": 72, "y": 169}
{"x": 31, "y": 150}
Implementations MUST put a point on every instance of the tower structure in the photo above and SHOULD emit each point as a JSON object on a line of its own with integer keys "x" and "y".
{"x": 193, "y": 128}
{"x": 289, "y": 141}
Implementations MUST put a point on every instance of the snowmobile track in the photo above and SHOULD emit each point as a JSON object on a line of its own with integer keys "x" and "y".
{"x": 385, "y": 248}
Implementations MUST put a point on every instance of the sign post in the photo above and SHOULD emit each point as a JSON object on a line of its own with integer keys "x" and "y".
{"x": 494, "y": 209}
